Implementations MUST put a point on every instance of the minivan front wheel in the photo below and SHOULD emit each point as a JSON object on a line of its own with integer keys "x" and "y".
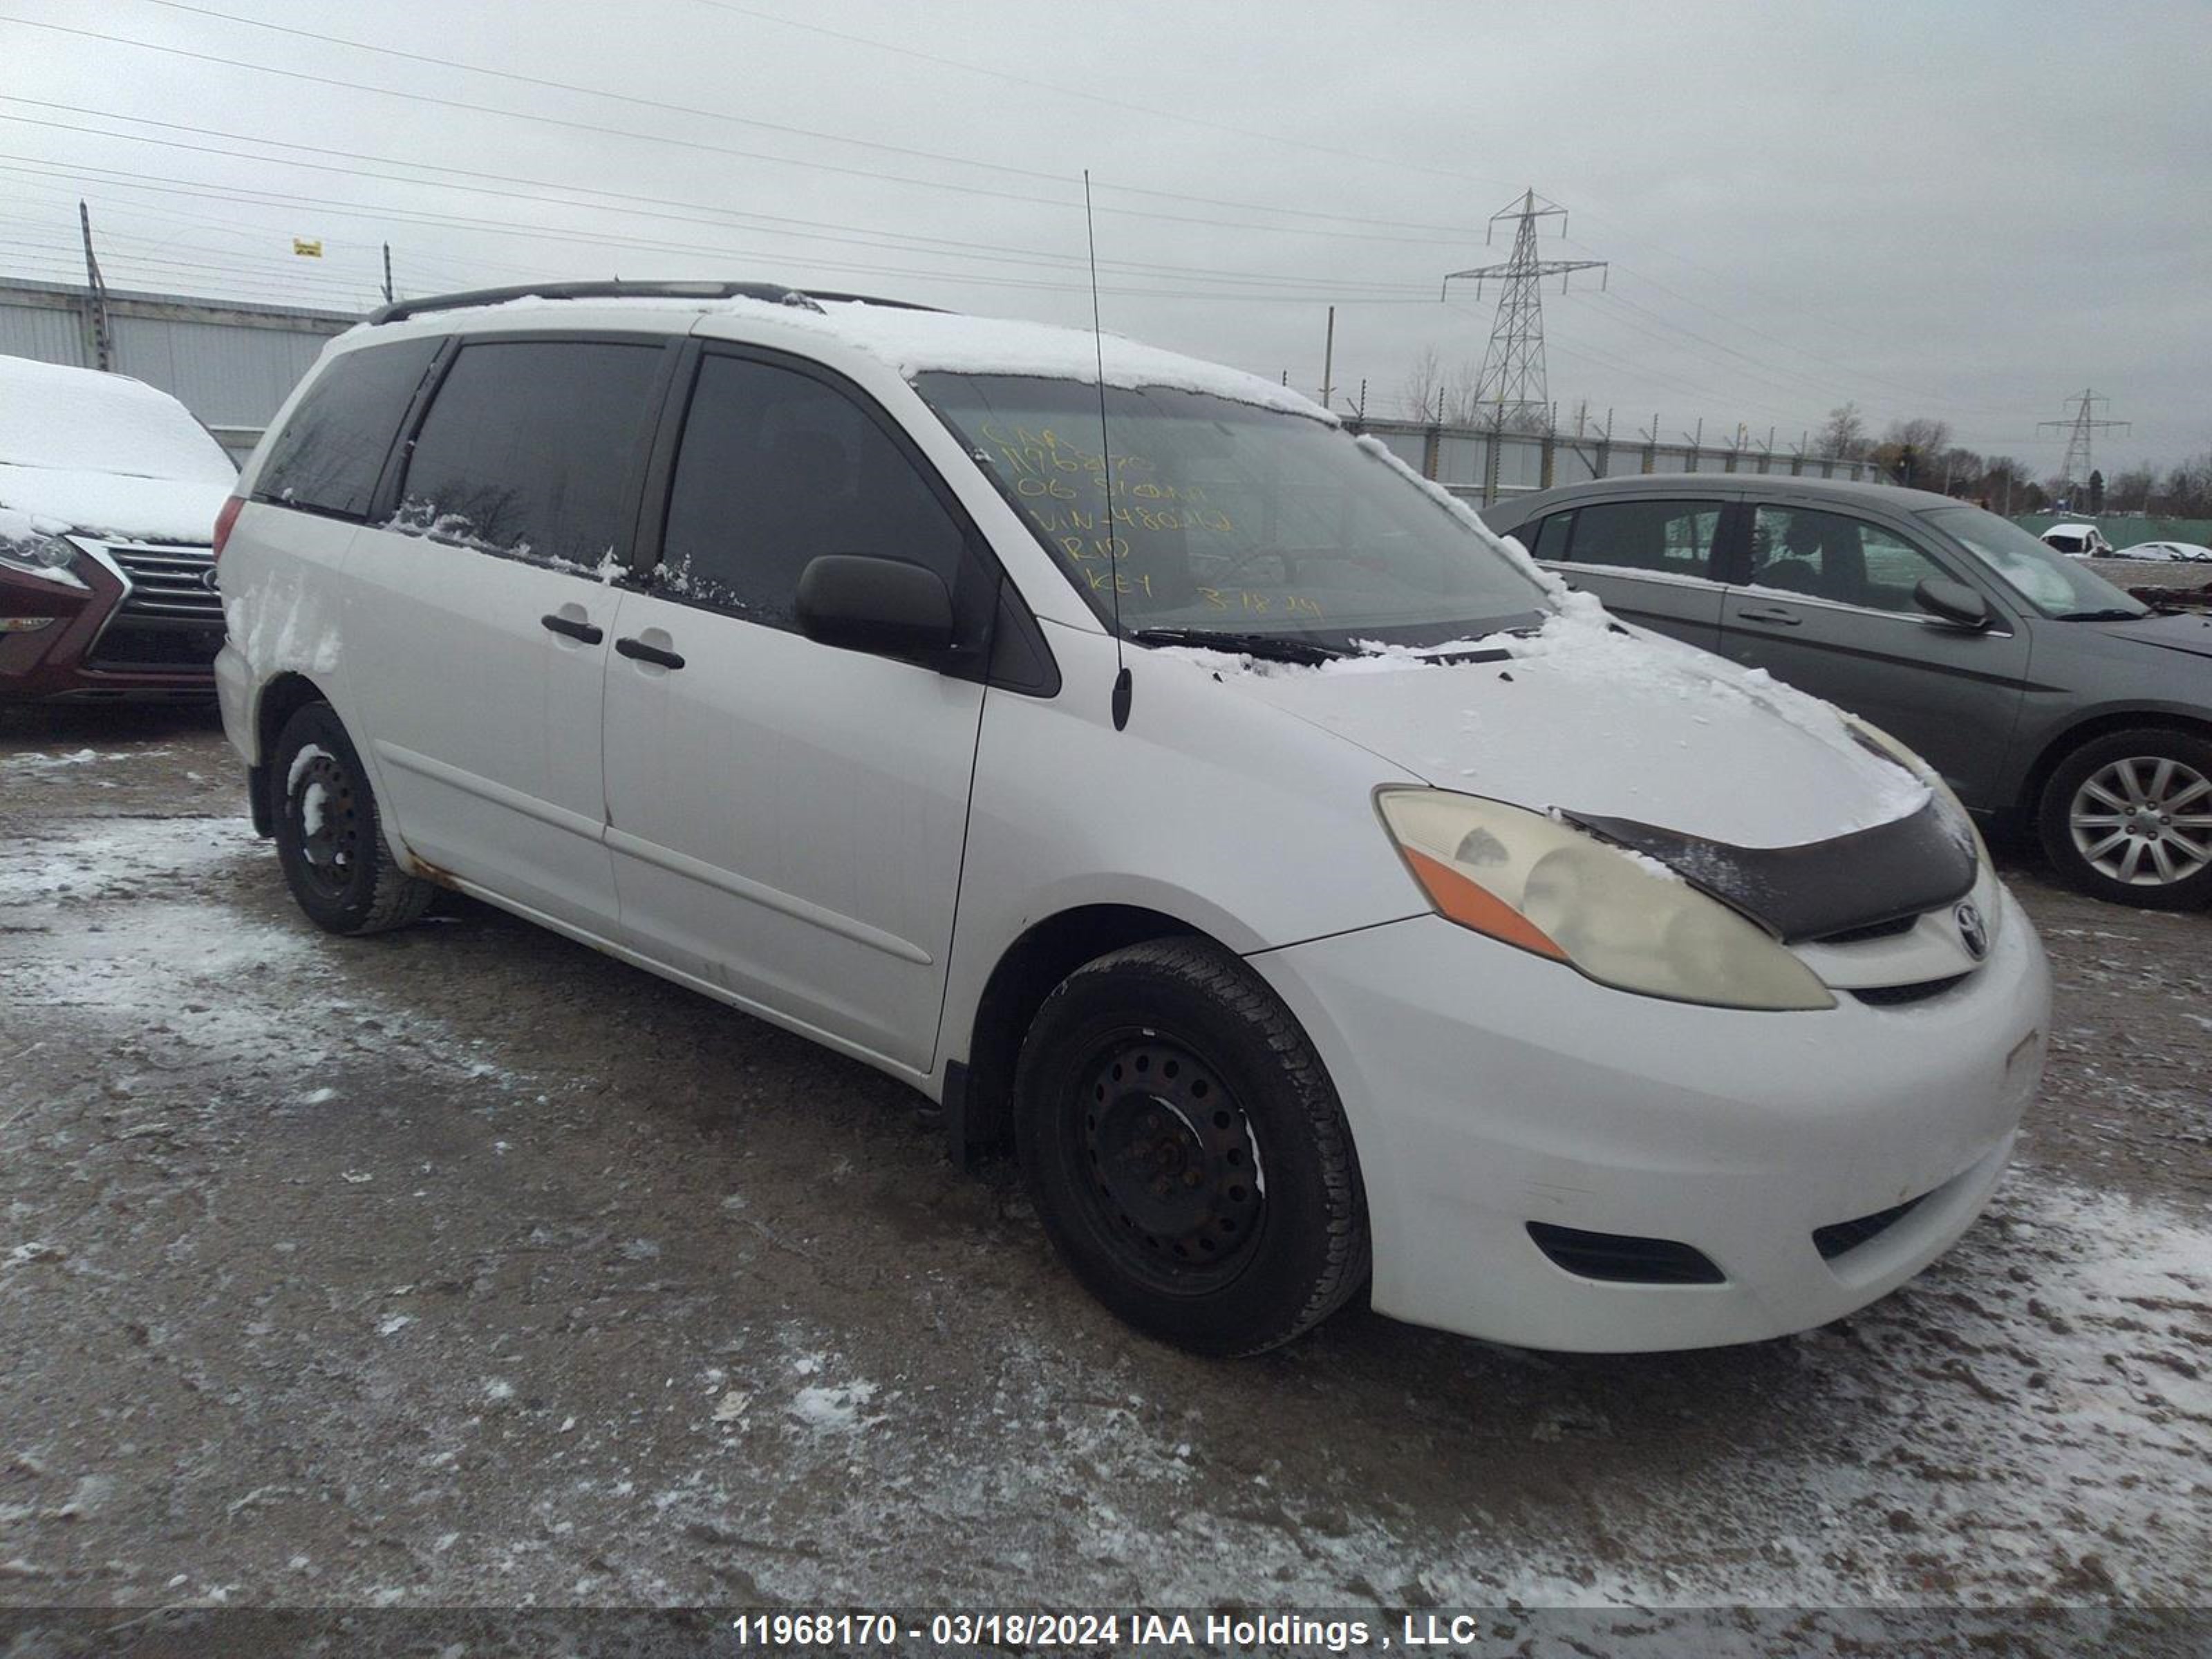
{"x": 1187, "y": 1151}
{"x": 330, "y": 837}
{"x": 2128, "y": 818}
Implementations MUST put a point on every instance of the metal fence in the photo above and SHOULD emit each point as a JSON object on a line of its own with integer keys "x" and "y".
{"x": 231, "y": 364}
{"x": 1482, "y": 465}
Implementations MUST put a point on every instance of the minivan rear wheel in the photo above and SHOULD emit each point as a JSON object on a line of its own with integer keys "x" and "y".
{"x": 2128, "y": 818}
{"x": 1187, "y": 1151}
{"x": 330, "y": 836}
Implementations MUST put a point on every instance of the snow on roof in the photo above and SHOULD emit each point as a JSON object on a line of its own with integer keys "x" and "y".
{"x": 915, "y": 341}
{"x": 80, "y": 420}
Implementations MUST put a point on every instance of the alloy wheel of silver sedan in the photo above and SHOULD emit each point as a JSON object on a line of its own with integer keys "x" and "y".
{"x": 2144, "y": 819}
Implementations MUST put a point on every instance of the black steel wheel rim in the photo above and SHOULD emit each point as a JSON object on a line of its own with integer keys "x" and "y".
{"x": 329, "y": 823}
{"x": 1169, "y": 1169}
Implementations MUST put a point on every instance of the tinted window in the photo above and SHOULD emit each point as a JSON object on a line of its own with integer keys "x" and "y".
{"x": 1551, "y": 541}
{"x": 1673, "y": 537}
{"x": 330, "y": 451}
{"x": 1830, "y": 556}
{"x": 528, "y": 447}
{"x": 777, "y": 468}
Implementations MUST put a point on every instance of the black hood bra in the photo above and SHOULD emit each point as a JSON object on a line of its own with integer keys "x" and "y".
{"x": 1888, "y": 873}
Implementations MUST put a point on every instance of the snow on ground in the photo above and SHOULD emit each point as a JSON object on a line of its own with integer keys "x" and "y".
{"x": 661, "y": 1342}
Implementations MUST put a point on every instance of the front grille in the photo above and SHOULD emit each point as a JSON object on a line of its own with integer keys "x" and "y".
{"x": 1892, "y": 996}
{"x": 126, "y": 645}
{"x": 168, "y": 582}
{"x": 1871, "y": 931}
{"x": 1834, "y": 1239}
{"x": 1623, "y": 1258}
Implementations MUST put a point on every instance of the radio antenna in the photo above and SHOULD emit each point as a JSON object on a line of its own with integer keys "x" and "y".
{"x": 1122, "y": 687}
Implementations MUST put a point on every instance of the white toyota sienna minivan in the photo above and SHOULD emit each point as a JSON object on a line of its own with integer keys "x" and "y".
{"x": 1322, "y": 900}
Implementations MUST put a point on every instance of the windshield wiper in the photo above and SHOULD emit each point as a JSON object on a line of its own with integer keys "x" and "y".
{"x": 1276, "y": 647}
{"x": 2110, "y": 613}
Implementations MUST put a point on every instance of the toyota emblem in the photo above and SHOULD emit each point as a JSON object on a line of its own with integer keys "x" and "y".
{"x": 1973, "y": 931}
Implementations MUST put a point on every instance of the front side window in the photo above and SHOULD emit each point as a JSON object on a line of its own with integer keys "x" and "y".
{"x": 331, "y": 450}
{"x": 1829, "y": 555}
{"x": 1218, "y": 515}
{"x": 2053, "y": 584}
{"x": 527, "y": 450}
{"x": 1672, "y": 538}
{"x": 777, "y": 469}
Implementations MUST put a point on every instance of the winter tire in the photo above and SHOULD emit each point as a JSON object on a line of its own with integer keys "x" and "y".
{"x": 2128, "y": 818}
{"x": 1187, "y": 1151}
{"x": 330, "y": 836}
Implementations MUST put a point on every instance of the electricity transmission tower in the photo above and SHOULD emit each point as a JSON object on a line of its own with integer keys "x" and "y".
{"x": 1512, "y": 383}
{"x": 2079, "y": 425}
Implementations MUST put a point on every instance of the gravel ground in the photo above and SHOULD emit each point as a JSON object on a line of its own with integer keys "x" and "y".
{"x": 466, "y": 1266}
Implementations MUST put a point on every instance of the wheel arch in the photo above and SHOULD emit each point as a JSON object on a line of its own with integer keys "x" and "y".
{"x": 283, "y": 697}
{"x": 2103, "y": 724}
{"x": 979, "y": 1092}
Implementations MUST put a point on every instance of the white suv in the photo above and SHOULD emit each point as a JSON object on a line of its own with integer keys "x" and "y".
{"x": 1322, "y": 900}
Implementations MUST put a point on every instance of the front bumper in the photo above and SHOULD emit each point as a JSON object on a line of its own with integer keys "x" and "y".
{"x": 90, "y": 647}
{"x": 1488, "y": 1089}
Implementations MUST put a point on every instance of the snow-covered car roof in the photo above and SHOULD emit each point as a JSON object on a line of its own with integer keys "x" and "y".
{"x": 80, "y": 420}
{"x": 911, "y": 340}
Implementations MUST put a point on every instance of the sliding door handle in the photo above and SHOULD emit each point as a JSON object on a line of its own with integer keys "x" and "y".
{"x": 639, "y": 651}
{"x": 573, "y": 629}
{"x": 1785, "y": 618}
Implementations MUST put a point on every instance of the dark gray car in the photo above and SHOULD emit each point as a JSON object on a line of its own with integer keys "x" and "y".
{"x": 2042, "y": 693}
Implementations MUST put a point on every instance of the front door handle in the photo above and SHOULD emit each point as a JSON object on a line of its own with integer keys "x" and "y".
{"x": 1786, "y": 618}
{"x": 639, "y": 651}
{"x": 573, "y": 629}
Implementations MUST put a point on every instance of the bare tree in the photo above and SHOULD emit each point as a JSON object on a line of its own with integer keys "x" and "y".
{"x": 1844, "y": 437}
{"x": 1423, "y": 389}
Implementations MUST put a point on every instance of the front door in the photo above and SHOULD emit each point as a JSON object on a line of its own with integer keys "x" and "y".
{"x": 1829, "y": 608}
{"x": 788, "y": 819}
{"x": 483, "y": 613}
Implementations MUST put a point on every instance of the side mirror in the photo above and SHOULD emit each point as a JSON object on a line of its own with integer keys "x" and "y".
{"x": 1953, "y": 602}
{"x": 886, "y": 607}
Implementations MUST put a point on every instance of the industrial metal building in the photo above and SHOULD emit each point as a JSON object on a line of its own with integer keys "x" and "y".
{"x": 230, "y": 363}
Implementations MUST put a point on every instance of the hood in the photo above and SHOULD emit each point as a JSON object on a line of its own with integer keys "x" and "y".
{"x": 1593, "y": 722}
{"x": 2190, "y": 634}
{"x": 57, "y": 499}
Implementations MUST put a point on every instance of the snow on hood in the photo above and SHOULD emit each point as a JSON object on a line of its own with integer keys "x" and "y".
{"x": 1583, "y": 718}
{"x": 48, "y": 501}
{"x": 79, "y": 420}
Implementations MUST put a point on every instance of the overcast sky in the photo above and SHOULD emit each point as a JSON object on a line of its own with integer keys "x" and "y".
{"x": 1965, "y": 212}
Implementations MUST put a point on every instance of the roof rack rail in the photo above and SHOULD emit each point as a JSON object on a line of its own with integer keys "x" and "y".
{"x": 622, "y": 288}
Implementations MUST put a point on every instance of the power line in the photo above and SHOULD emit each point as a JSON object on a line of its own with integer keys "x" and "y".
{"x": 873, "y": 176}
{"x": 780, "y": 127}
{"x": 625, "y": 202}
{"x": 608, "y": 240}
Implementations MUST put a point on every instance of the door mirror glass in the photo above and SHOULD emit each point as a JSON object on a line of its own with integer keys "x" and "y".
{"x": 1953, "y": 602}
{"x": 886, "y": 607}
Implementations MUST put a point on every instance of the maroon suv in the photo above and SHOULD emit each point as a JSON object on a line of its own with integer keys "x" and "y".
{"x": 109, "y": 492}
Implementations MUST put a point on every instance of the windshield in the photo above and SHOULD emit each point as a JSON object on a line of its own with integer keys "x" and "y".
{"x": 1225, "y": 517}
{"x": 2052, "y": 583}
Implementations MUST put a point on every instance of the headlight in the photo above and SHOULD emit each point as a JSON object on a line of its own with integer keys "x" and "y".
{"x": 1623, "y": 919}
{"x": 40, "y": 556}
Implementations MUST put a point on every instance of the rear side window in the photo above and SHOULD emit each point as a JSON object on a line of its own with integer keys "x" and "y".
{"x": 777, "y": 468}
{"x": 1551, "y": 541}
{"x": 529, "y": 448}
{"x": 330, "y": 452}
{"x": 1673, "y": 538}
